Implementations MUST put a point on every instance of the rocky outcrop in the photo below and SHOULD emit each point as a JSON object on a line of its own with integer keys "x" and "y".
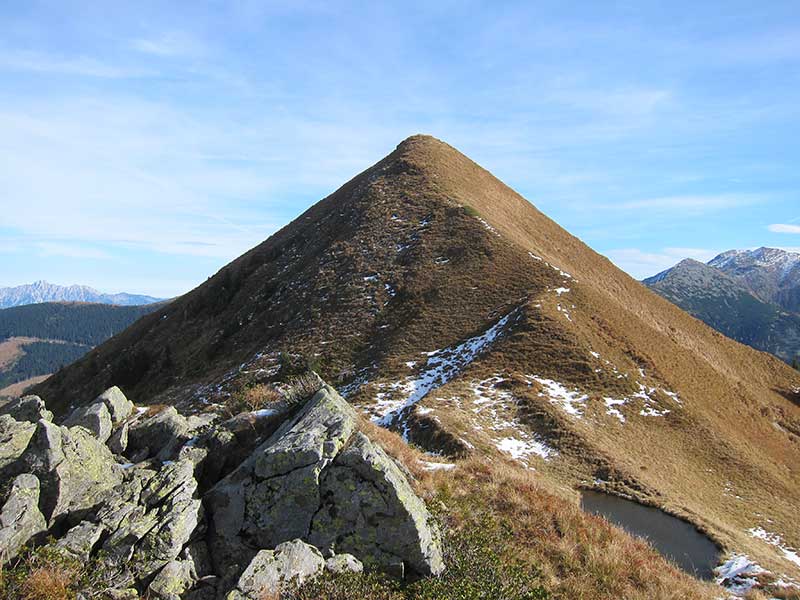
{"x": 20, "y": 518}
{"x": 14, "y": 439}
{"x": 76, "y": 470}
{"x": 27, "y": 408}
{"x": 292, "y": 491}
{"x": 303, "y": 483}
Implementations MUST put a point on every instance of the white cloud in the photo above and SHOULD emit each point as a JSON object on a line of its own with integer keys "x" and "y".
{"x": 81, "y": 66}
{"x": 641, "y": 264}
{"x": 170, "y": 44}
{"x": 784, "y": 228}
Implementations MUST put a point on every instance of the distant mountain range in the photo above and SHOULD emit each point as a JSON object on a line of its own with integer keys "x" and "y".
{"x": 41, "y": 291}
{"x": 752, "y": 296}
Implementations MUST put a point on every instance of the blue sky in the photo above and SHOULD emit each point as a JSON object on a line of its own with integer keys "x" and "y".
{"x": 143, "y": 146}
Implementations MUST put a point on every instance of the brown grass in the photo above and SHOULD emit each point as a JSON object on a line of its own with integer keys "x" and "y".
{"x": 580, "y": 556}
{"x": 49, "y": 583}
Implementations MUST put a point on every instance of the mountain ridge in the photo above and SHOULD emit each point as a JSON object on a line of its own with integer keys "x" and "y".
{"x": 721, "y": 294}
{"x": 41, "y": 291}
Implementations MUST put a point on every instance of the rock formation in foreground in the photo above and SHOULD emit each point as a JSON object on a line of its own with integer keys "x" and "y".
{"x": 189, "y": 507}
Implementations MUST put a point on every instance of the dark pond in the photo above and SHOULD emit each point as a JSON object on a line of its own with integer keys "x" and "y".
{"x": 677, "y": 540}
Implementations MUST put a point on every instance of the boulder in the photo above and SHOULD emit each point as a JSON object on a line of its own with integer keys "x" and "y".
{"x": 20, "y": 518}
{"x": 272, "y": 497}
{"x": 81, "y": 540}
{"x": 370, "y": 510}
{"x": 94, "y": 417}
{"x": 75, "y": 469}
{"x": 293, "y": 561}
{"x": 27, "y": 408}
{"x": 164, "y": 433}
{"x": 343, "y": 563}
{"x": 119, "y": 407}
{"x": 14, "y": 438}
{"x": 316, "y": 479}
{"x": 172, "y": 581}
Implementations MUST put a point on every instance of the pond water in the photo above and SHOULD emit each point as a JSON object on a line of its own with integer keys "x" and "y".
{"x": 675, "y": 539}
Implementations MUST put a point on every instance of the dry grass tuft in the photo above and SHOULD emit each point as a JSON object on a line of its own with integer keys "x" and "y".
{"x": 49, "y": 582}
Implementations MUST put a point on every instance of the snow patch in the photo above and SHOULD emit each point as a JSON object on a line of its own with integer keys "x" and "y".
{"x": 522, "y": 449}
{"x": 776, "y": 540}
{"x": 738, "y": 574}
{"x": 441, "y": 367}
{"x": 614, "y": 412}
{"x": 432, "y": 466}
{"x": 573, "y": 402}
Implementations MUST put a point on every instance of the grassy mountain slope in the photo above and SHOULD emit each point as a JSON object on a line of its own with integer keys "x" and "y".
{"x": 451, "y": 309}
{"x": 729, "y": 307}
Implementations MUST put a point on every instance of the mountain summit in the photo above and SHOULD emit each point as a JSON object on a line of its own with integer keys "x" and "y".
{"x": 447, "y": 307}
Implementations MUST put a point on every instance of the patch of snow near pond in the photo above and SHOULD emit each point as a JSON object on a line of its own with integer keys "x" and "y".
{"x": 774, "y": 539}
{"x": 738, "y": 574}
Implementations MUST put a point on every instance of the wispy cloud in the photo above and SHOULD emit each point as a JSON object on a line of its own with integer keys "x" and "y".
{"x": 171, "y": 44}
{"x": 689, "y": 203}
{"x": 81, "y": 66}
{"x": 784, "y": 228}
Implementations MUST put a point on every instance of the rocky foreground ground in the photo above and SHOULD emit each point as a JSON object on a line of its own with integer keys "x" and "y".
{"x": 204, "y": 508}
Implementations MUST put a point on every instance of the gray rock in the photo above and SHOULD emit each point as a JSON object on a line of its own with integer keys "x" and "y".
{"x": 119, "y": 407}
{"x": 162, "y": 434}
{"x": 272, "y": 497}
{"x": 118, "y": 442}
{"x": 20, "y": 518}
{"x": 14, "y": 439}
{"x": 27, "y": 408}
{"x": 75, "y": 469}
{"x": 94, "y": 417}
{"x": 293, "y": 561}
{"x": 343, "y": 563}
{"x": 81, "y": 540}
{"x": 172, "y": 581}
{"x": 370, "y": 510}
{"x": 314, "y": 479}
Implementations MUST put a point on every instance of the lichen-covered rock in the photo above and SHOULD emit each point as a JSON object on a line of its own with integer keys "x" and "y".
{"x": 27, "y": 408}
{"x": 172, "y": 581}
{"x": 94, "y": 417}
{"x": 119, "y": 407}
{"x": 75, "y": 469}
{"x": 164, "y": 433}
{"x": 20, "y": 518}
{"x": 273, "y": 496}
{"x": 14, "y": 438}
{"x": 81, "y": 540}
{"x": 317, "y": 480}
{"x": 293, "y": 561}
{"x": 343, "y": 563}
{"x": 370, "y": 510}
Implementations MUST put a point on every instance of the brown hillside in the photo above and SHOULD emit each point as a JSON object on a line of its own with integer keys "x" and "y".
{"x": 546, "y": 348}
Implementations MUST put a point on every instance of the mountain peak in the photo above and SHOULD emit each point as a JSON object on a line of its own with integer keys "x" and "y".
{"x": 41, "y": 291}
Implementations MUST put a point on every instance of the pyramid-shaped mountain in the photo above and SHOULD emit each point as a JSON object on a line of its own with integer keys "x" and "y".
{"x": 449, "y": 308}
